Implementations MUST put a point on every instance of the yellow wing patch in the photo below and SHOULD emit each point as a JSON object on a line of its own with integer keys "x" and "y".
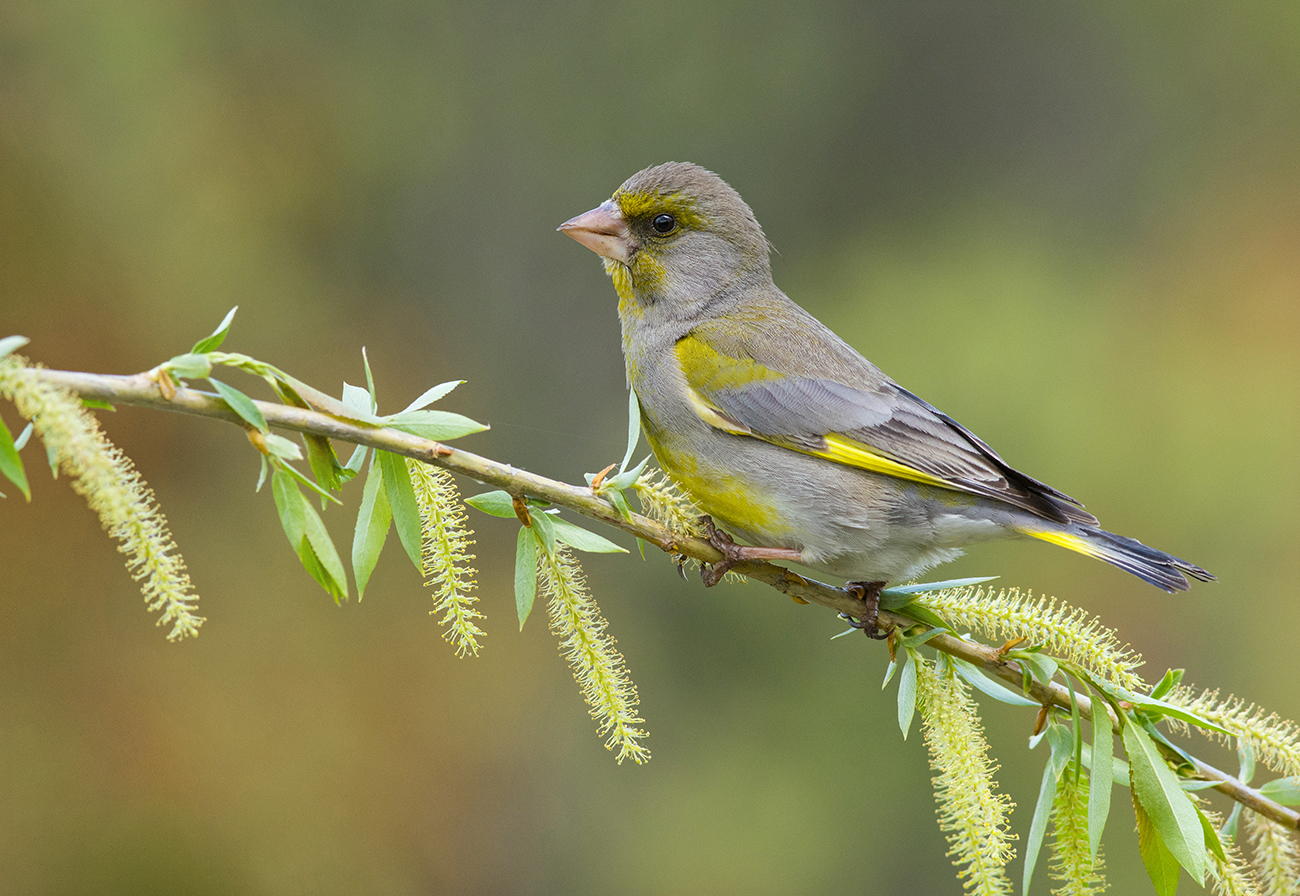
{"x": 1066, "y": 540}
{"x": 853, "y": 453}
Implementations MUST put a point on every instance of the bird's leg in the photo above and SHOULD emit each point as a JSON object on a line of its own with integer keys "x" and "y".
{"x": 733, "y": 553}
{"x": 869, "y": 594}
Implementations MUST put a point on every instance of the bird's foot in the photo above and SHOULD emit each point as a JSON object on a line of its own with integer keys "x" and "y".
{"x": 869, "y": 594}
{"x": 733, "y": 553}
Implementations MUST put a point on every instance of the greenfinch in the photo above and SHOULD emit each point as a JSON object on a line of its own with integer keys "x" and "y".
{"x": 780, "y": 431}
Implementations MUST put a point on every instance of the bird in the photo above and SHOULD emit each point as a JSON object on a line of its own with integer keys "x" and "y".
{"x": 781, "y": 432}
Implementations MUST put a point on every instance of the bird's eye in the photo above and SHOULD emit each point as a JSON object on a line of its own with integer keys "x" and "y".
{"x": 663, "y": 223}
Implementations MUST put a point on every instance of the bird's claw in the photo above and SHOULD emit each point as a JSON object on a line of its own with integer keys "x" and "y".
{"x": 869, "y": 594}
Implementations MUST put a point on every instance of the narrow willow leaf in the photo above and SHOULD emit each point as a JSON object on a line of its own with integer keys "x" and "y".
{"x": 1042, "y": 668}
{"x": 1103, "y": 755}
{"x": 191, "y": 367}
{"x": 357, "y": 459}
{"x": 1283, "y": 790}
{"x": 976, "y": 677}
{"x": 334, "y": 580}
{"x": 11, "y": 464}
{"x": 496, "y": 503}
{"x": 323, "y": 461}
{"x": 625, "y": 510}
{"x": 1154, "y": 707}
{"x": 431, "y": 395}
{"x": 1171, "y": 811}
{"x": 584, "y": 539}
{"x": 306, "y": 533}
{"x": 544, "y": 525}
{"x": 213, "y": 342}
{"x": 1062, "y": 745}
{"x": 11, "y": 344}
{"x": 926, "y": 587}
{"x": 440, "y": 426}
{"x": 359, "y": 402}
{"x": 241, "y": 404}
{"x": 96, "y": 404}
{"x": 279, "y": 446}
{"x": 373, "y": 520}
{"x": 401, "y": 501}
{"x": 1167, "y": 683}
{"x": 907, "y": 693}
{"x": 633, "y": 429}
{"x": 889, "y": 670}
{"x": 21, "y": 441}
{"x": 1161, "y": 865}
{"x": 1229, "y": 829}
{"x": 525, "y": 574}
{"x": 1212, "y": 842}
{"x": 1246, "y": 758}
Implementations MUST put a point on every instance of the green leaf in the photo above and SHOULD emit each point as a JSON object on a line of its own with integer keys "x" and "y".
{"x": 976, "y": 677}
{"x": 525, "y": 574}
{"x": 213, "y": 342}
{"x": 192, "y": 367}
{"x": 1160, "y": 862}
{"x": 11, "y": 465}
{"x": 623, "y": 480}
{"x": 96, "y": 404}
{"x": 1151, "y": 706}
{"x": 334, "y": 580}
{"x": 21, "y": 441}
{"x": 440, "y": 426}
{"x": 1229, "y": 828}
{"x": 359, "y": 402}
{"x": 241, "y": 404}
{"x": 307, "y": 535}
{"x": 357, "y": 459}
{"x": 1118, "y": 768}
{"x": 889, "y": 670}
{"x": 1171, "y": 811}
{"x": 1103, "y": 755}
{"x": 544, "y": 524}
{"x": 11, "y": 344}
{"x": 584, "y": 539}
{"x": 624, "y": 509}
{"x": 1167, "y": 683}
{"x": 924, "y": 587}
{"x": 401, "y": 500}
{"x": 370, "y": 379}
{"x": 1212, "y": 842}
{"x": 323, "y": 461}
{"x": 1062, "y": 745}
{"x": 907, "y": 693}
{"x": 1283, "y": 790}
{"x": 261, "y": 476}
{"x": 279, "y": 446}
{"x": 373, "y": 520}
{"x": 1040, "y": 666}
{"x": 496, "y": 503}
{"x": 1246, "y": 754}
{"x": 432, "y": 395}
{"x": 633, "y": 427}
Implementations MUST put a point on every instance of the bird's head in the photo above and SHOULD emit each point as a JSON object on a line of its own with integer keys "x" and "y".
{"x": 675, "y": 234}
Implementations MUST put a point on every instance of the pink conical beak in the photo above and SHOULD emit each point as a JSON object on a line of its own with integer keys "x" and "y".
{"x": 603, "y": 230}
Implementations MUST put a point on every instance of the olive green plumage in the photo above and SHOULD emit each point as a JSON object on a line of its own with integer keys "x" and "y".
{"x": 780, "y": 430}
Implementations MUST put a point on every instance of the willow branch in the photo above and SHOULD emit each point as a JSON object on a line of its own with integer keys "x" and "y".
{"x": 331, "y": 420}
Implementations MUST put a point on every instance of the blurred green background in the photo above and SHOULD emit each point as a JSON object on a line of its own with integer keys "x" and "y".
{"x": 1074, "y": 227}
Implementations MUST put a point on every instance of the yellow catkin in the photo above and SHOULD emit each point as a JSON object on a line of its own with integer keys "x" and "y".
{"x": 445, "y": 556}
{"x": 1062, "y": 630}
{"x": 1072, "y": 863}
{"x": 663, "y": 502}
{"x": 597, "y": 665}
{"x": 1233, "y": 877}
{"x": 112, "y": 487}
{"x": 1277, "y": 855}
{"x": 1275, "y": 740}
{"x": 971, "y": 812}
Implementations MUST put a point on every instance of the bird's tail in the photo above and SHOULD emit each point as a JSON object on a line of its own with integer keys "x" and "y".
{"x": 1156, "y": 567}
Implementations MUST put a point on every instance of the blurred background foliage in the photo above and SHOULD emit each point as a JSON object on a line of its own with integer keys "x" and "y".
{"x": 1075, "y": 227}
